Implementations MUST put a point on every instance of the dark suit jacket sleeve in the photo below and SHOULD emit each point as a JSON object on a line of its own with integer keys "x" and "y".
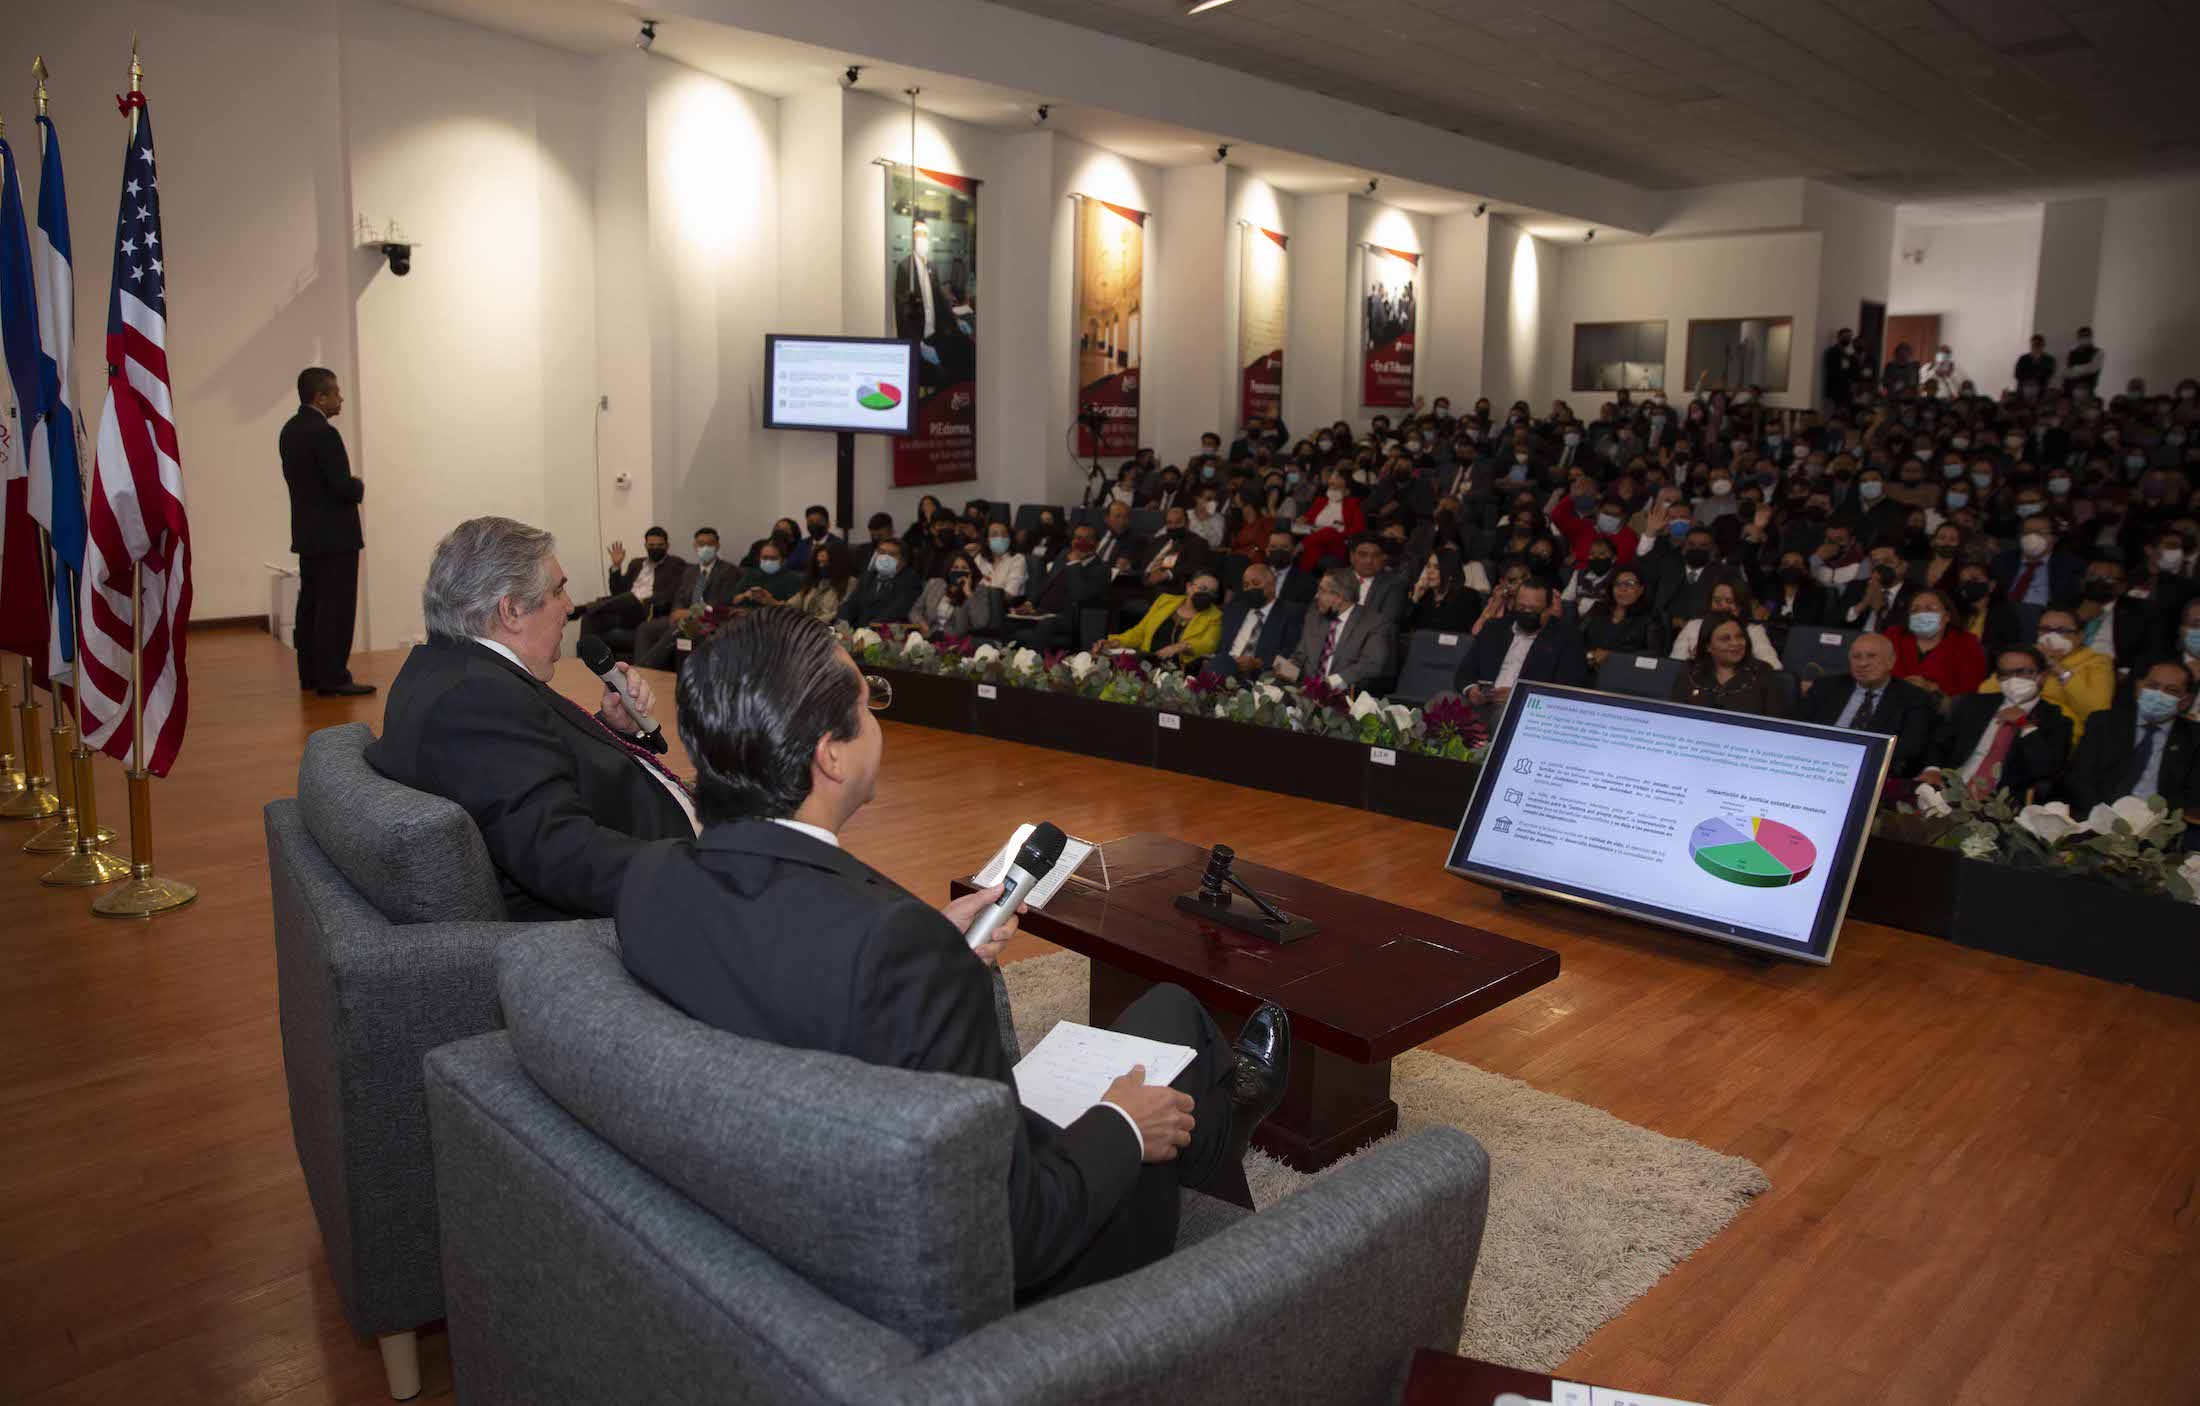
{"x": 1913, "y": 734}
{"x": 1572, "y": 664}
{"x": 2088, "y": 781}
{"x": 926, "y": 1003}
{"x": 335, "y": 467}
{"x": 518, "y": 782}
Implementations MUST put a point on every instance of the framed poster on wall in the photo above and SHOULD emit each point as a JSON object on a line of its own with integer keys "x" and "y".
{"x": 1264, "y": 313}
{"x": 1111, "y": 275}
{"x": 1390, "y": 290}
{"x": 932, "y": 292}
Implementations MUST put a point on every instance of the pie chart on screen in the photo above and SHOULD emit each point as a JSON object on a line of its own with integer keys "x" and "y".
{"x": 878, "y": 395}
{"x": 1752, "y": 851}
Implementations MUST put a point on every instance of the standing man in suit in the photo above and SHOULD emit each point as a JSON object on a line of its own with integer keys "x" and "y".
{"x": 2012, "y": 741}
{"x": 925, "y": 314}
{"x": 564, "y": 799}
{"x": 767, "y": 928}
{"x": 1869, "y": 698}
{"x": 324, "y": 532}
{"x": 1340, "y": 639}
{"x": 1258, "y": 625}
{"x": 887, "y": 592}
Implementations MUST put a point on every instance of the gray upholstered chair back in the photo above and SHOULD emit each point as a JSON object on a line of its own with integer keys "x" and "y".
{"x": 417, "y": 858}
{"x": 884, "y": 1188}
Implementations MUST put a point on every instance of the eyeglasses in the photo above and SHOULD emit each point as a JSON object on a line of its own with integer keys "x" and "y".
{"x": 882, "y": 693}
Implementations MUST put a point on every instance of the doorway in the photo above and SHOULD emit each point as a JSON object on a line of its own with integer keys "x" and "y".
{"x": 1871, "y": 333}
{"x": 1921, "y": 331}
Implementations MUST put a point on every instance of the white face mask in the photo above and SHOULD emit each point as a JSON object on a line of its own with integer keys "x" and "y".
{"x": 2170, "y": 559}
{"x": 924, "y": 250}
{"x": 2034, "y": 544}
{"x": 2020, "y": 690}
{"x": 2054, "y": 644}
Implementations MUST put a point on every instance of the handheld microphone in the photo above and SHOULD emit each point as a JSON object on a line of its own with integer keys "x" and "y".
{"x": 597, "y": 656}
{"x": 1041, "y": 851}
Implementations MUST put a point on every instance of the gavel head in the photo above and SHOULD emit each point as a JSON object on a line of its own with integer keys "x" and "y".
{"x": 1212, "y": 883}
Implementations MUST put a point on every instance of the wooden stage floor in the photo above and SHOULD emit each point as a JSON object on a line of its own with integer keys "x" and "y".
{"x": 1986, "y": 1175}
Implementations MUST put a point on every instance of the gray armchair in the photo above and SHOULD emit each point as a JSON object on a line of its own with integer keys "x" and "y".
{"x": 387, "y": 920}
{"x": 638, "y": 1207}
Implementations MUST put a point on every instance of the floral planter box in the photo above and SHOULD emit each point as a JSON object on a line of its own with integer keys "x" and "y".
{"x": 1416, "y": 786}
{"x": 1265, "y": 758}
{"x": 927, "y": 700}
{"x": 2072, "y": 924}
{"x": 1113, "y": 732}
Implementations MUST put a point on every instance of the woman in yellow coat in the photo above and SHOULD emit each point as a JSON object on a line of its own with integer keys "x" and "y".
{"x": 2078, "y": 680}
{"x": 1181, "y": 629}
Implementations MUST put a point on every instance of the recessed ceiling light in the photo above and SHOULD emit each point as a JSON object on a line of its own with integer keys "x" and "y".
{"x": 1202, "y": 6}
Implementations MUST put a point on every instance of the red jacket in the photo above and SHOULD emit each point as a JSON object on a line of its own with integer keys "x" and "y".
{"x": 1957, "y": 665}
{"x": 1581, "y": 535}
{"x": 1328, "y": 541}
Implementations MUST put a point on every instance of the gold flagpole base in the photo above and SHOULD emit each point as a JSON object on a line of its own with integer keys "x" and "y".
{"x": 61, "y": 836}
{"x": 33, "y": 802}
{"x": 86, "y": 869}
{"x": 11, "y": 776}
{"x": 145, "y": 895}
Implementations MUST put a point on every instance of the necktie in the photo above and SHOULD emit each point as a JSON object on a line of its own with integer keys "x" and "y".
{"x": 2135, "y": 775}
{"x": 2023, "y": 582}
{"x": 625, "y": 744}
{"x": 1865, "y": 709}
{"x": 1329, "y": 647}
{"x": 1988, "y": 776}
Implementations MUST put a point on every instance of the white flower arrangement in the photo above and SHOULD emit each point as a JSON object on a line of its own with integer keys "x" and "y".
{"x": 1026, "y": 661}
{"x": 1081, "y": 664}
{"x": 2051, "y": 824}
{"x": 865, "y": 638}
{"x": 1932, "y": 803}
{"x": 984, "y": 654}
{"x": 1979, "y": 846}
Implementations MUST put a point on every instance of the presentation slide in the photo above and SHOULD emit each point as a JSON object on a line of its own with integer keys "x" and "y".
{"x": 860, "y": 384}
{"x": 1745, "y": 829}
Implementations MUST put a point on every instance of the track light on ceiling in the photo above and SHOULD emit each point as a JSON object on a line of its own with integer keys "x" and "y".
{"x": 1372, "y": 182}
{"x": 853, "y": 76}
{"x": 647, "y": 37}
{"x": 1222, "y": 153}
{"x": 1039, "y": 118}
{"x": 1200, "y": 7}
{"x": 1482, "y": 209}
{"x": 1592, "y": 234}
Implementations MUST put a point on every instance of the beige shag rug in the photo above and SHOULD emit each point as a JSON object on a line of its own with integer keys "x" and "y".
{"x": 1586, "y": 1211}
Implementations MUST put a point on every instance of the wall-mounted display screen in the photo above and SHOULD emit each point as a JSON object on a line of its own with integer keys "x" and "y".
{"x": 1736, "y": 827}
{"x": 859, "y": 384}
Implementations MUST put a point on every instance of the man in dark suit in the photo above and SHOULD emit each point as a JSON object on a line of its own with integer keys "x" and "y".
{"x": 708, "y": 584}
{"x": 767, "y": 928}
{"x": 1525, "y": 644}
{"x": 1048, "y": 616}
{"x": 640, "y": 589}
{"x": 1380, "y": 590}
{"x": 887, "y": 592}
{"x": 1293, "y": 586}
{"x": 564, "y": 799}
{"x": 324, "y": 532}
{"x": 2012, "y": 741}
{"x": 2037, "y": 572}
{"x": 1869, "y": 698}
{"x": 925, "y": 314}
{"x": 1176, "y": 556}
{"x": 1341, "y": 640}
{"x": 2141, "y": 747}
{"x": 1258, "y": 626}
{"x": 1119, "y": 548}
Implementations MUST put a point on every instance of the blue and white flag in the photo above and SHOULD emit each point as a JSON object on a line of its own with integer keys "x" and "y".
{"x": 57, "y": 478}
{"x": 24, "y": 615}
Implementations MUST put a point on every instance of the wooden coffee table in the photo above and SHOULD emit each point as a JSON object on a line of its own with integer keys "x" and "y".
{"x": 1376, "y": 981}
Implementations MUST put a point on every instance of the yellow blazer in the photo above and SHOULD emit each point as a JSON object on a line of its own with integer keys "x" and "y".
{"x": 2092, "y": 684}
{"x": 1201, "y": 637}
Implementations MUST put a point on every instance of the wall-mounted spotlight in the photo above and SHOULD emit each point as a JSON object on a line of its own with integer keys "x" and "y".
{"x": 1202, "y": 6}
{"x": 1222, "y": 153}
{"x": 1372, "y": 182}
{"x": 1482, "y": 209}
{"x": 647, "y": 37}
{"x": 1592, "y": 234}
{"x": 853, "y": 76}
{"x": 1039, "y": 118}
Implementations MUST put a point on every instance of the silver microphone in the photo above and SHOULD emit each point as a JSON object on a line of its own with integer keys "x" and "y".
{"x": 1035, "y": 859}
{"x": 597, "y": 656}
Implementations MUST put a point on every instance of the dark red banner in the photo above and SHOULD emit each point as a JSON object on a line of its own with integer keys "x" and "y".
{"x": 942, "y": 445}
{"x": 1260, "y": 389}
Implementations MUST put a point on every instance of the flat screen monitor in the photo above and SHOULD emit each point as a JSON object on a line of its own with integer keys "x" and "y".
{"x": 1738, "y": 828}
{"x": 860, "y": 385}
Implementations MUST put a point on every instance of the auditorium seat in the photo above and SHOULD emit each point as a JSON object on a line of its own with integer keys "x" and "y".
{"x": 1815, "y": 652}
{"x": 1432, "y": 664}
{"x": 638, "y": 1207}
{"x": 1145, "y": 522}
{"x": 1642, "y": 675}
{"x": 1027, "y": 516}
{"x": 387, "y": 917}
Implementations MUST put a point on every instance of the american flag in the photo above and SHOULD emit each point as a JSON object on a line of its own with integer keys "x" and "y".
{"x": 136, "y": 505}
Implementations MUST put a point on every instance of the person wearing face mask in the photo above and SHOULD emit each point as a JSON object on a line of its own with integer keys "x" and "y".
{"x": 1294, "y": 587}
{"x": 1521, "y": 637}
{"x": 2011, "y": 741}
{"x": 1176, "y": 555}
{"x": 1729, "y": 596}
{"x": 1330, "y": 521}
{"x": 564, "y": 799}
{"x": 2035, "y": 370}
{"x": 1621, "y": 620}
{"x": 886, "y": 592}
{"x": 1257, "y": 626}
{"x": 1943, "y": 561}
{"x": 641, "y": 589}
{"x": 1842, "y": 362}
{"x": 1869, "y": 698}
{"x": 957, "y": 604}
{"x": 1586, "y": 518}
{"x": 1060, "y": 592}
{"x": 1718, "y": 499}
{"x": 2037, "y": 571}
{"x": 825, "y": 586}
{"x": 1876, "y": 513}
{"x": 711, "y": 584}
{"x": 817, "y": 526}
{"x": 2164, "y": 583}
{"x": 2112, "y": 625}
{"x": 1875, "y": 600}
{"x": 1931, "y": 652}
{"x": 2143, "y": 747}
{"x": 2077, "y": 679}
{"x": 1980, "y": 610}
{"x": 1000, "y": 566}
{"x": 2082, "y": 367}
{"x": 2186, "y": 649}
{"x": 1796, "y": 600}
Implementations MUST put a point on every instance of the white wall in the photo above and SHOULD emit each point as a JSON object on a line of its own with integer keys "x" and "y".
{"x": 2147, "y": 310}
{"x": 1458, "y": 270}
{"x": 1251, "y": 205}
{"x": 1185, "y": 349}
{"x": 1321, "y": 380}
{"x": 1980, "y": 277}
{"x": 1855, "y": 255}
{"x": 1522, "y": 303}
{"x": 2069, "y": 282}
{"x": 1760, "y": 275}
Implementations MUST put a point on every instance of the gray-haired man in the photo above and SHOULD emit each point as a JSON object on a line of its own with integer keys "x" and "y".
{"x": 564, "y": 798}
{"x": 1342, "y": 639}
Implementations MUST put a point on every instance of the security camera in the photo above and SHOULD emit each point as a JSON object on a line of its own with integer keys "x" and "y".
{"x": 1482, "y": 209}
{"x": 1372, "y": 182}
{"x": 1592, "y": 234}
{"x": 853, "y": 76}
{"x": 1039, "y": 118}
{"x": 400, "y": 257}
{"x": 1222, "y": 153}
{"x": 647, "y": 37}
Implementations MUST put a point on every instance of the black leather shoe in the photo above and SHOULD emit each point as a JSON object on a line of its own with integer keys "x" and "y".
{"x": 1263, "y": 1071}
{"x": 347, "y": 690}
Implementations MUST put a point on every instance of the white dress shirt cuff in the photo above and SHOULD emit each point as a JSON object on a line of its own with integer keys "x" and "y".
{"x": 1136, "y": 1136}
